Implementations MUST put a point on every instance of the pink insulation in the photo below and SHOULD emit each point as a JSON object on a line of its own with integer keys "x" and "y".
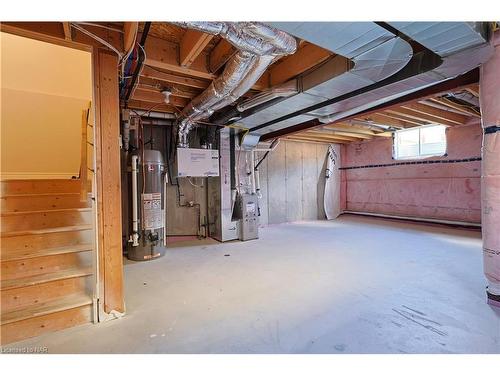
{"x": 449, "y": 191}
{"x": 490, "y": 180}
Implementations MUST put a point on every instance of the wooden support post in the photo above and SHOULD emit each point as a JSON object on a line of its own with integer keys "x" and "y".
{"x": 109, "y": 220}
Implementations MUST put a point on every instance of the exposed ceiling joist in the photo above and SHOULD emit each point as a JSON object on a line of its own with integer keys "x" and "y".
{"x": 53, "y": 32}
{"x": 172, "y": 78}
{"x": 153, "y": 96}
{"x": 455, "y": 106}
{"x": 420, "y": 117}
{"x": 163, "y": 54}
{"x": 381, "y": 119}
{"x": 305, "y": 58}
{"x": 316, "y": 133}
{"x": 437, "y": 113}
{"x": 192, "y": 44}
{"x": 349, "y": 134}
{"x": 353, "y": 129}
{"x": 146, "y": 106}
{"x": 152, "y": 85}
{"x": 411, "y": 121}
{"x": 221, "y": 53}
{"x": 303, "y": 137}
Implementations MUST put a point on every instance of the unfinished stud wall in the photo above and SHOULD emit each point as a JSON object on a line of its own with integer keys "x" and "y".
{"x": 448, "y": 190}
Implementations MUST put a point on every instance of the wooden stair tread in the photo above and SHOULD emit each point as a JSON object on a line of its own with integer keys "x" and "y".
{"x": 73, "y": 209}
{"x": 45, "y": 278}
{"x": 68, "y": 228}
{"x": 60, "y": 304}
{"x": 20, "y": 254}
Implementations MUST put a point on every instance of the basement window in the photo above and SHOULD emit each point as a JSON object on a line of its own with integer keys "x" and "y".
{"x": 421, "y": 142}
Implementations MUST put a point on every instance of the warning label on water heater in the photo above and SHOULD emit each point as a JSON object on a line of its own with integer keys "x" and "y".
{"x": 152, "y": 212}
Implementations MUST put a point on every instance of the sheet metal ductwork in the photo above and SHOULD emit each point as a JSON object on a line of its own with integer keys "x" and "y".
{"x": 258, "y": 46}
{"x": 367, "y": 53}
{"x": 452, "y": 48}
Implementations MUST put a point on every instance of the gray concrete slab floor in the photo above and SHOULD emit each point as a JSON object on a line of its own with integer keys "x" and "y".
{"x": 352, "y": 285}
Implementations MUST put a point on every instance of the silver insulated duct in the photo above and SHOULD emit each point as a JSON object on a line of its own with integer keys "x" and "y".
{"x": 384, "y": 68}
{"x": 373, "y": 52}
{"x": 258, "y": 46}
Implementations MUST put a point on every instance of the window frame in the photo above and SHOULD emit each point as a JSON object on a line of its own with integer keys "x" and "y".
{"x": 420, "y": 155}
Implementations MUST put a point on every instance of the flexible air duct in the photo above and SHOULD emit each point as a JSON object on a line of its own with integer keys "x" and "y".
{"x": 258, "y": 46}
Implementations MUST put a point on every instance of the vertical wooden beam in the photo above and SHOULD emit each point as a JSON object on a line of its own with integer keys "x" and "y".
{"x": 109, "y": 221}
{"x": 192, "y": 44}
{"x": 67, "y": 31}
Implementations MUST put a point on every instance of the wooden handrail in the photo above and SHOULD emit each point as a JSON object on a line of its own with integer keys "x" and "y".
{"x": 83, "y": 157}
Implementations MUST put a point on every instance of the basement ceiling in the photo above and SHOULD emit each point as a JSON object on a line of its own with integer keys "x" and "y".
{"x": 185, "y": 61}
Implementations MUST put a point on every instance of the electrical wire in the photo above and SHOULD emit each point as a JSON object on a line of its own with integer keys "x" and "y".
{"x": 99, "y": 39}
{"x": 197, "y": 186}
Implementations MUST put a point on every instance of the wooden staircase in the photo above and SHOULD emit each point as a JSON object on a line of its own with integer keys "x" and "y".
{"x": 46, "y": 257}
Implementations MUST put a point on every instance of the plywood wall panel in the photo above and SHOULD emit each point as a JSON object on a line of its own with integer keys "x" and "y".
{"x": 264, "y": 201}
{"x": 294, "y": 172}
{"x": 277, "y": 184}
{"x": 309, "y": 182}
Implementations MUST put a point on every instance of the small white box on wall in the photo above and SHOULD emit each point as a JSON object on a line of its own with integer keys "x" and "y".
{"x": 197, "y": 162}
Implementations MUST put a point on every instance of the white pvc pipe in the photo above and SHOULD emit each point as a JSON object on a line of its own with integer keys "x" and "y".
{"x": 257, "y": 183}
{"x": 165, "y": 182}
{"x": 252, "y": 171}
{"x": 413, "y": 218}
{"x": 135, "y": 221}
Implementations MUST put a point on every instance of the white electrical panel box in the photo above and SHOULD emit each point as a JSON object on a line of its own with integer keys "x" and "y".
{"x": 197, "y": 162}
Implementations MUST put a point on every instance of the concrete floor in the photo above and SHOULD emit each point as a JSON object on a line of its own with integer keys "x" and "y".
{"x": 353, "y": 285}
